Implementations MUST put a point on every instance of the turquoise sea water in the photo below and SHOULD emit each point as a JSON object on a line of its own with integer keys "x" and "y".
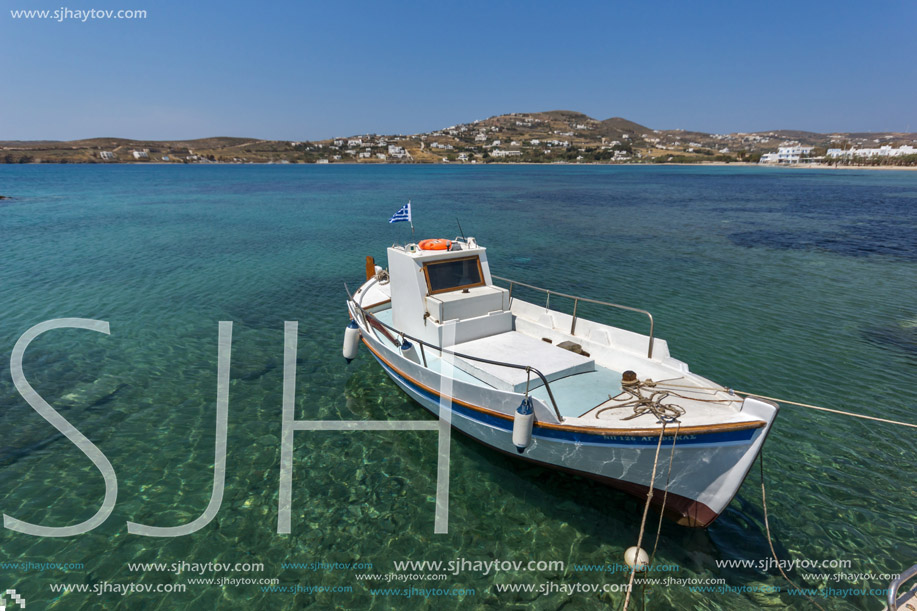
{"x": 790, "y": 283}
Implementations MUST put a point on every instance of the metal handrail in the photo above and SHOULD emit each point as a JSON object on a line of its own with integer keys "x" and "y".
{"x": 368, "y": 315}
{"x": 576, "y": 301}
{"x": 896, "y": 584}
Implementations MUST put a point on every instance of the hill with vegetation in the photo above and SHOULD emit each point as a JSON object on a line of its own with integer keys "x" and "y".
{"x": 557, "y": 136}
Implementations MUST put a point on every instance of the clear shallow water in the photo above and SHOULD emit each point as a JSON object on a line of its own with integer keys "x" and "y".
{"x": 796, "y": 284}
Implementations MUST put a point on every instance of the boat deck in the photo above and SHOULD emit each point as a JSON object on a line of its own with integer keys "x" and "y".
{"x": 552, "y": 362}
{"x": 579, "y": 394}
{"x": 583, "y": 390}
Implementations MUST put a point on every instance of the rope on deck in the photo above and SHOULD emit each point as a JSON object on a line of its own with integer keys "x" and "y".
{"x": 644, "y": 404}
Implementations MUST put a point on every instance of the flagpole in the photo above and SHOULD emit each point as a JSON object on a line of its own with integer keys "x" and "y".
{"x": 404, "y": 214}
{"x": 411, "y": 219}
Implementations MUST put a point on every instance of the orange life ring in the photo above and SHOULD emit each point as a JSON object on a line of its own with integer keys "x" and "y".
{"x": 435, "y": 244}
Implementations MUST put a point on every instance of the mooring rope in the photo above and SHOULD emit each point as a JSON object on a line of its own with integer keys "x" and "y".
{"x": 665, "y": 492}
{"x": 669, "y": 413}
{"x": 828, "y": 409}
{"x": 806, "y": 405}
{"x": 646, "y": 509}
{"x": 665, "y": 495}
{"x": 770, "y": 542}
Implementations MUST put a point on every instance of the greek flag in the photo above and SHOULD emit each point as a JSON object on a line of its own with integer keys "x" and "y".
{"x": 404, "y": 214}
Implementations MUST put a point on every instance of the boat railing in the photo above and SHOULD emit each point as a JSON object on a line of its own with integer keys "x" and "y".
{"x": 576, "y": 301}
{"x": 896, "y": 585}
{"x": 371, "y": 321}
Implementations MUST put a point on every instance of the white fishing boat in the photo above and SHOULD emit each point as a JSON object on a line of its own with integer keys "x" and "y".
{"x": 551, "y": 387}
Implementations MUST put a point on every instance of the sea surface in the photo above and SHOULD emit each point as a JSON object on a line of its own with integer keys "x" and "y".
{"x": 798, "y": 284}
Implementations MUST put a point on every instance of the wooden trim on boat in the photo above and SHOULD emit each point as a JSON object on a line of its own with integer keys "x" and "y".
{"x": 670, "y": 431}
{"x": 430, "y": 390}
{"x": 376, "y": 305}
{"x": 378, "y": 326}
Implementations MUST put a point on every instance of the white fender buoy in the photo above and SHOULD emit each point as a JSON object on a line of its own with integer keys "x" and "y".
{"x": 351, "y": 341}
{"x": 523, "y": 421}
{"x": 409, "y": 352}
{"x": 636, "y": 559}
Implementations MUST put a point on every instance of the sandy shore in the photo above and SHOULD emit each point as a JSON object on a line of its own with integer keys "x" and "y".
{"x": 740, "y": 164}
{"x": 822, "y": 166}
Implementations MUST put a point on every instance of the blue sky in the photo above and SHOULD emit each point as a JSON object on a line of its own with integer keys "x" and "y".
{"x": 309, "y": 70}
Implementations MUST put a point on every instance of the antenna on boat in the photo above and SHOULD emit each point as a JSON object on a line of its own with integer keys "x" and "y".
{"x": 460, "y": 228}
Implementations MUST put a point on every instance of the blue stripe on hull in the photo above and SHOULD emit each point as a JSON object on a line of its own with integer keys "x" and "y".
{"x": 719, "y": 438}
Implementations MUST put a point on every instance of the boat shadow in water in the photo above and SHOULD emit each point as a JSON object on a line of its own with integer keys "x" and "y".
{"x": 611, "y": 516}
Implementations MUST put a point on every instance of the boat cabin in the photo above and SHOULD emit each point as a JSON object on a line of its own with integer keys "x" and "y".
{"x": 434, "y": 288}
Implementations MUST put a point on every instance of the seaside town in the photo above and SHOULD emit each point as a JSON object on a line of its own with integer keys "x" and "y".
{"x": 546, "y": 137}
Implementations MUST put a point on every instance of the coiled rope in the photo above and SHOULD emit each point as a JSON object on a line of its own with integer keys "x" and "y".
{"x": 382, "y": 277}
{"x": 643, "y": 404}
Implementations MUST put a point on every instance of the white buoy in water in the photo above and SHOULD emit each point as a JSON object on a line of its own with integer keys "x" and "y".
{"x": 523, "y": 421}
{"x": 351, "y": 341}
{"x": 408, "y": 351}
{"x": 636, "y": 559}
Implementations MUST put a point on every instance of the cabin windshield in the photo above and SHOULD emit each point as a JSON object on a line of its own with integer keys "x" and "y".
{"x": 453, "y": 274}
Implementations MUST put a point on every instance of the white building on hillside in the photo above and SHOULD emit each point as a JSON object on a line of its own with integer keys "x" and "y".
{"x": 788, "y": 153}
{"x": 397, "y": 152}
{"x": 792, "y": 153}
{"x": 882, "y": 151}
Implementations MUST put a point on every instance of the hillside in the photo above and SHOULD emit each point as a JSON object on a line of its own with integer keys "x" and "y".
{"x": 540, "y": 137}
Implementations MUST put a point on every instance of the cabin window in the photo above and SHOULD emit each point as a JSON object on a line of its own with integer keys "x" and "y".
{"x": 453, "y": 274}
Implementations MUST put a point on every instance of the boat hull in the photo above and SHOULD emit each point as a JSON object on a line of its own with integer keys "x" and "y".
{"x": 707, "y": 470}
